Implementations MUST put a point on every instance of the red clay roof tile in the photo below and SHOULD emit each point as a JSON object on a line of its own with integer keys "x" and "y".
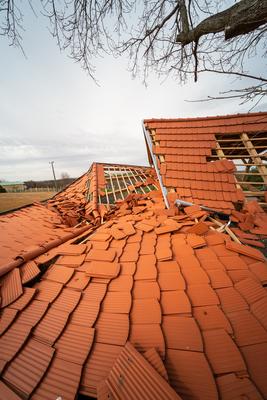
{"x": 145, "y": 336}
{"x": 51, "y": 325}
{"x": 62, "y": 377}
{"x": 112, "y": 328}
{"x": 132, "y": 367}
{"x": 59, "y": 273}
{"x": 97, "y": 367}
{"x": 67, "y": 300}
{"x": 231, "y": 300}
{"x": 176, "y": 328}
{"x": 190, "y": 374}
{"x": 171, "y": 280}
{"x": 75, "y": 343}
{"x": 202, "y": 295}
{"x": 175, "y": 302}
{"x": 246, "y": 250}
{"x": 146, "y": 289}
{"x": 117, "y": 302}
{"x": 219, "y": 279}
{"x": 11, "y": 287}
{"x": 247, "y": 329}
{"x": 6, "y": 393}
{"x": 101, "y": 269}
{"x": 101, "y": 255}
{"x": 23, "y": 300}
{"x": 211, "y": 317}
{"x": 259, "y": 310}
{"x": 79, "y": 281}
{"x": 255, "y": 357}
{"x": 47, "y": 290}
{"x": 86, "y": 313}
{"x": 28, "y": 272}
{"x": 152, "y": 356}
{"x": 32, "y": 314}
{"x": 13, "y": 339}
{"x": 7, "y": 316}
{"x": 146, "y": 311}
{"x": 232, "y": 387}
{"x": 27, "y": 369}
{"x": 222, "y": 352}
{"x": 251, "y": 290}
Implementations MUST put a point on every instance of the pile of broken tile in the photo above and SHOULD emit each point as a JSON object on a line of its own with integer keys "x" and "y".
{"x": 152, "y": 304}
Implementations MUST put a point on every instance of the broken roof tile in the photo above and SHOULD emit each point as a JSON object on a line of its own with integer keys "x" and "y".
{"x": 30, "y": 365}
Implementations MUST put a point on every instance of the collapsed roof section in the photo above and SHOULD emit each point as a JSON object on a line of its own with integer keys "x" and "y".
{"x": 93, "y": 195}
{"x": 211, "y": 161}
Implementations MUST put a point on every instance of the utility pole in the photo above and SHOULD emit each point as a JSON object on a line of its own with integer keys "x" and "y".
{"x": 55, "y": 180}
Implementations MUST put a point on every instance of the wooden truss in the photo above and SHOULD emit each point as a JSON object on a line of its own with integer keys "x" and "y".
{"x": 249, "y": 153}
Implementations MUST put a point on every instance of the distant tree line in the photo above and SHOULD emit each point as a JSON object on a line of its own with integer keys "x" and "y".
{"x": 61, "y": 183}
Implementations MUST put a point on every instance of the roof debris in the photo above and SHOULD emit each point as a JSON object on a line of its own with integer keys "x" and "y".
{"x": 135, "y": 299}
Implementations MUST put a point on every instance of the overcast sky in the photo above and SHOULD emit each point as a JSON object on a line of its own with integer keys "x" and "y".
{"x": 51, "y": 110}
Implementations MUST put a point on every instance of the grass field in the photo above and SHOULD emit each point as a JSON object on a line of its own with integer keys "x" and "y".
{"x": 9, "y": 201}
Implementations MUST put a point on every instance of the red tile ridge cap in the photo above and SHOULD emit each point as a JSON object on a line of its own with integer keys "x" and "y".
{"x": 211, "y": 117}
{"x": 39, "y": 250}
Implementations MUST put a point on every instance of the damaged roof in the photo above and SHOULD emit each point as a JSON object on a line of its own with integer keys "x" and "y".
{"x": 140, "y": 301}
